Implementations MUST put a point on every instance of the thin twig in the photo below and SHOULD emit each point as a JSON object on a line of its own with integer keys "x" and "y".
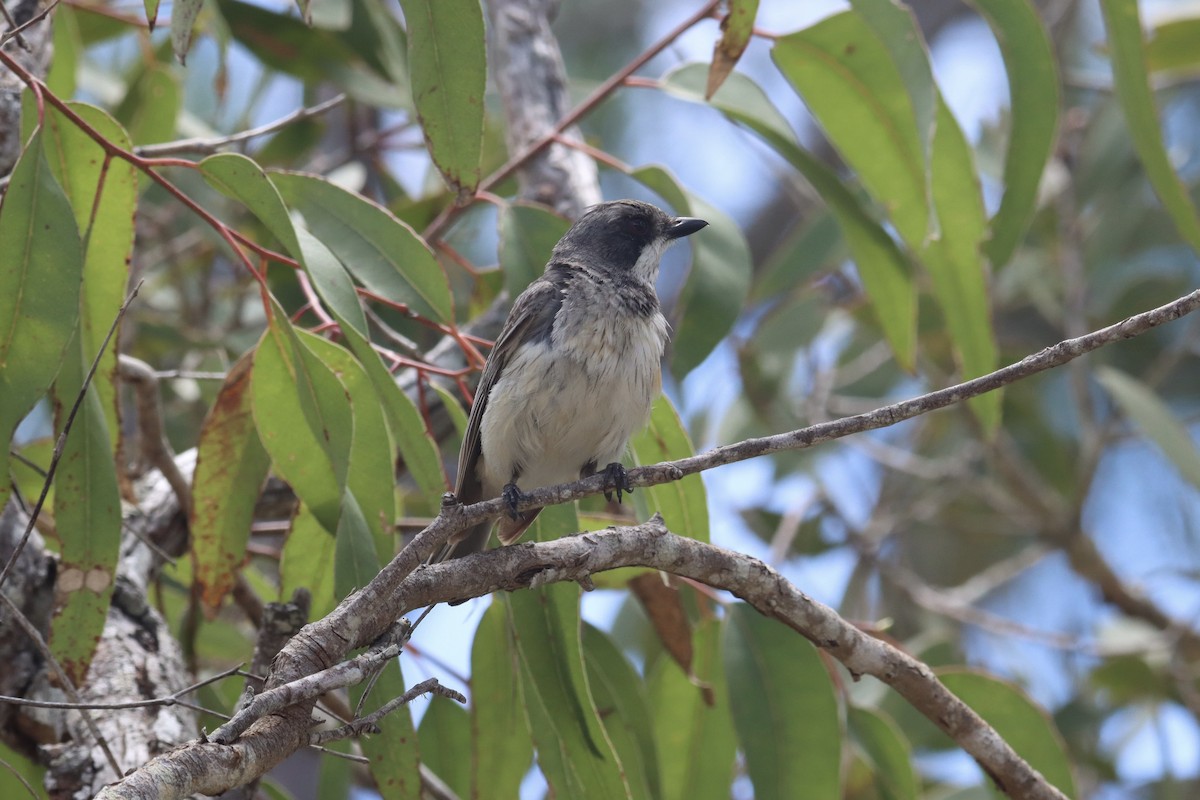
{"x": 208, "y": 146}
{"x": 15, "y": 32}
{"x": 170, "y": 700}
{"x": 370, "y": 723}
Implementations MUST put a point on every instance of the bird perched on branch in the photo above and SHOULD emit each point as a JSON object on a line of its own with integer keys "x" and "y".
{"x": 575, "y": 369}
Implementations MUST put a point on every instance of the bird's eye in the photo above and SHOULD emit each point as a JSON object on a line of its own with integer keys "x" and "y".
{"x": 638, "y": 227}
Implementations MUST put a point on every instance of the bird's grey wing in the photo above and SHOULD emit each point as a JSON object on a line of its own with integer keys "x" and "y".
{"x": 531, "y": 318}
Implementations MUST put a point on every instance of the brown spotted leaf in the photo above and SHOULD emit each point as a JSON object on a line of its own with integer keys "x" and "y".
{"x": 736, "y": 29}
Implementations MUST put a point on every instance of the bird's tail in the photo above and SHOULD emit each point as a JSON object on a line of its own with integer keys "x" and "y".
{"x": 472, "y": 540}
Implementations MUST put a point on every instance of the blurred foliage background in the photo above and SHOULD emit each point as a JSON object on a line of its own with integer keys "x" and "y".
{"x": 901, "y": 198}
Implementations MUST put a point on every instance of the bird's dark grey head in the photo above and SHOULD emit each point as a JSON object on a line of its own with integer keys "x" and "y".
{"x": 624, "y": 235}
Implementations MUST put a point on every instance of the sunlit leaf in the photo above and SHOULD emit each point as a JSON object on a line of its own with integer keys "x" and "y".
{"x": 784, "y": 709}
{"x": 307, "y": 561}
{"x": 234, "y": 175}
{"x": 386, "y": 255}
{"x": 849, "y": 81}
{"x": 448, "y": 68}
{"x": 682, "y": 503}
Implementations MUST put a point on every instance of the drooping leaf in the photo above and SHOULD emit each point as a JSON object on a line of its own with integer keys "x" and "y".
{"x": 719, "y": 280}
{"x": 736, "y": 28}
{"x": 393, "y": 753}
{"x": 1152, "y": 416}
{"x": 231, "y": 466}
{"x": 236, "y": 176}
{"x": 355, "y": 560}
{"x": 620, "y": 696}
{"x": 501, "y": 744}
{"x": 692, "y": 723}
{"x": 683, "y": 503}
{"x": 574, "y": 751}
{"x": 447, "y": 62}
{"x": 445, "y": 737}
{"x": 883, "y": 268}
{"x": 784, "y": 708}
{"x": 183, "y": 19}
{"x": 303, "y": 419}
{"x": 1172, "y": 47}
{"x": 386, "y": 255}
{"x": 886, "y": 751}
{"x": 955, "y": 262}
{"x": 103, "y": 194}
{"x": 39, "y": 288}
{"x": 307, "y": 561}
{"x": 849, "y": 81}
{"x": 1017, "y": 720}
{"x": 1033, "y": 111}
{"x": 1133, "y": 90}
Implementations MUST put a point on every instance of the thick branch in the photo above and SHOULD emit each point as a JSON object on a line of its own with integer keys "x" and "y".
{"x": 575, "y": 558}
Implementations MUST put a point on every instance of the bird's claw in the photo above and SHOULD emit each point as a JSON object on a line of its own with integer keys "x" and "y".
{"x": 513, "y": 497}
{"x": 616, "y": 473}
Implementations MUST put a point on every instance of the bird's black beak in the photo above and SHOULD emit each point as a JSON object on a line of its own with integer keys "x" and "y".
{"x": 684, "y": 226}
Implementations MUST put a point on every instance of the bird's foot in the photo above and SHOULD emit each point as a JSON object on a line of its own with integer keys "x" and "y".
{"x": 513, "y": 496}
{"x": 616, "y": 473}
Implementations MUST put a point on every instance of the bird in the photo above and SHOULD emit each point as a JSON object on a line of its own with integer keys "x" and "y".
{"x": 574, "y": 371}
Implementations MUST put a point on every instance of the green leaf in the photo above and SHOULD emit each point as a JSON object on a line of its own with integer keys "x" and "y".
{"x": 1033, "y": 111}
{"x": 231, "y": 466}
{"x": 955, "y": 262}
{"x": 896, "y": 27}
{"x": 236, "y": 176}
{"x": 851, "y": 84}
{"x": 370, "y": 473}
{"x": 885, "y": 750}
{"x": 620, "y": 696}
{"x": 1133, "y": 90}
{"x": 355, "y": 560}
{"x": 393, "y": 752}
{"x": 104, "y": 196}
{"x": 151, "y": 13}
{"x": 68, "y": 45}
{"x": 303, "y": 419}
{"x": 683, "y": 503}
{"x": 1155, "y": 420}
{"x": 445, "y": 738}
{"x": 501, "y": 744}
{"x": 784, "y": 708}
{"x": 528, "y": 234}
{"x": 736, "y": 28}
{"x": 39, "y": 288}
{"x": 87, "y": 515}
{"x": 382, "y": 252}
{"x": 183, "y": 19}
{"x": 1172, "y": 46}
{"x": 307, "y": 561}
{"x": 1018, "y": 720}
{"x": 447, "y": 62}
{"x": 333, "y": 284}
{"x": 719, "y": 281}
{"x": 455, "y": 410}
{"x": 692, "y": 723}
{"x": 151, "y": 105}
{"x": 284, "y": 43}
{"x": 574, "y": 751}
{"x": 884, "y": 270}
{"x": 332, "y": 15}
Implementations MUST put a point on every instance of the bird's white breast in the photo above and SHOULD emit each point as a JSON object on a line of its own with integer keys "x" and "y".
{"x": 570, "y": 400}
